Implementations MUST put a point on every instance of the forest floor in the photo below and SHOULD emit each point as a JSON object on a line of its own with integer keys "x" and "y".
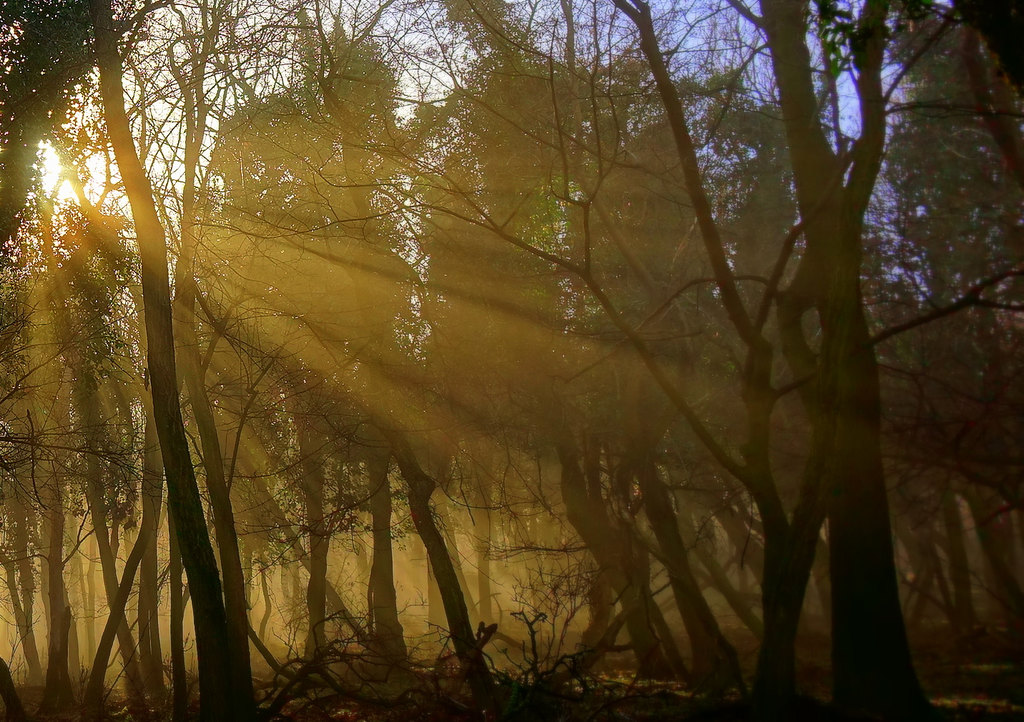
{"x": 980, "y": 678}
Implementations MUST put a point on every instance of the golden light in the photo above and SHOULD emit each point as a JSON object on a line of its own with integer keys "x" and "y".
{"x": 54, "y": 184}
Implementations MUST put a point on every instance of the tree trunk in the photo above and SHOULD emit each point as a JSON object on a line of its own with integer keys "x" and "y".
{"x": 615, "y": 558}
{"x": 57, "y": 694}
{"x": 87, "y": 589}
{"x": 871, "y": 661}
{"x": 994, "y": 546}
{"x": 870, "y": 655}
{"x": 435, "y": 607}
{"x": 387, "y": 629}
{"x": 482, "y": 547}
{"x": 235, "y": 604}
{"x": 116, "y": 617}
{"x": 312, "y": 487}
{"x": 15, "y": 712}
{"x": 21, "y": 583}
{"x": 179, "y": 675}
{"x": 151, "y": 657}
{"x": 95, "y": 497}
{"x": 420, "y": 487}
{"x": 220, "y": 698}
{"x": 714, "y": 661}
{"x": 787, "y": 568}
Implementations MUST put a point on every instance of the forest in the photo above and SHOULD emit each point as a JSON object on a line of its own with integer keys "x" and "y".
{"x": 511, "y": 360}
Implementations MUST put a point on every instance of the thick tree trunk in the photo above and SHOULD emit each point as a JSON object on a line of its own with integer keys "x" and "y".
{"x": 871, "y": 663}
{"x": 221, "y": 699}
{"x": 435, "y": 607}
{"x": 15, "y": 712}
{"x": 870, "y": 655}
{"x": 599, "y": 605}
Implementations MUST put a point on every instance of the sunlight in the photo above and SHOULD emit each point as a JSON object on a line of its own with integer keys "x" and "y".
{"x": 55, "y": 185}
{"x": 525, "y": 359}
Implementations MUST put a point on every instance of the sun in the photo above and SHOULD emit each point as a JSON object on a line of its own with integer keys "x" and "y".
{"x": 54, "y": 184}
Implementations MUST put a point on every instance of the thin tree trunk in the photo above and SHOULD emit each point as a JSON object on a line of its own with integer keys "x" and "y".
{"x": 483, "y": 554}
{"x": 736, "y": 600}
{"x": 57, "y": 693}
{"x": 615, "y": 558}
{"x": 714, "y": 661}
{"x": 21, "y": 583}
{"x": 1007, "y": 589}
{"x": 420, "y": 487}
{"x": 179, "y": 674}
{"x": 151, "y": 657}
{"x": 93, "y": 698}
{"x": 95, "y": 497}
{"x": 265, "y": 587}
{"x": 387, "y": 628}
{"x": 312, "y": 486}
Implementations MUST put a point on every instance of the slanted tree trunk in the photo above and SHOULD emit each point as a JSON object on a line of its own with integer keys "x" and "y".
{"x": 97, "y": 503}
{"x": 15, "y": 712}
{"x": 192, "y": 371}
{"x": 20, "y": 573}
{"x": 421, "y": 487}
{"x": 714, "y": 661}
{"x": 93, "y": 698}
{"x": 435, "y": 608}
{"x": 235, "y": 604}
{"x": 221, "y": 699}
{"x": 995, "y": 546}
{"x": 116, "y": 624}
{"x": 615, "y": 558}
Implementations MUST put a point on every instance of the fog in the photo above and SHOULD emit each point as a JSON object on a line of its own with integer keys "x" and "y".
{"x": 510, "y": 360}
